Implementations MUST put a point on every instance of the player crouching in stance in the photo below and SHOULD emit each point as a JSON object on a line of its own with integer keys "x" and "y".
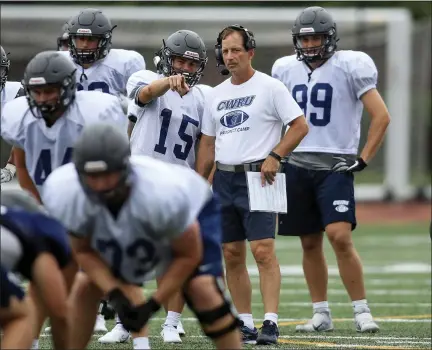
{"x": 132, "y": 218}
{"x": 35, "y": 246}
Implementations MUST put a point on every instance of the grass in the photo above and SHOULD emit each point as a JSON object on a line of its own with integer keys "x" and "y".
{"x": 398, "y": 285}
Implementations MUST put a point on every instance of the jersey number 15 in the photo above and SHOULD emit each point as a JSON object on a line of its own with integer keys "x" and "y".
{"x": 188, "y": 139}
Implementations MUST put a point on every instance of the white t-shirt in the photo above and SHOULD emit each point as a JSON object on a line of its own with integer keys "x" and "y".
{"x": 247, "y": 119}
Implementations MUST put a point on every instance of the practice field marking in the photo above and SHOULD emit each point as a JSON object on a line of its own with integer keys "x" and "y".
{"x": 340, "y": 346}
{"x": 372, "y": 305}
{"x": 284, "y": 291}
{"x": 397, "y": 319}
{"x": 407, "y": 268}
{"x": 390, "y": 280}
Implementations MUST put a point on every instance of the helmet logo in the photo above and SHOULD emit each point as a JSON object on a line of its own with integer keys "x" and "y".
{"x": 307, "y": 30}
{"x": 84, "y": 31}
{"x": 192, "y": 54}
{"x": 95, "y": 166}
{"x": 37, "y": 81}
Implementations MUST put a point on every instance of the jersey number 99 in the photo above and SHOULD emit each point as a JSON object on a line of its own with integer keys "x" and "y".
{"x": 300, "y": 93}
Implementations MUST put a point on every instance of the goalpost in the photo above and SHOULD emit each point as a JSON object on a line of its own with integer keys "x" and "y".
{"x": 145, "y": 26}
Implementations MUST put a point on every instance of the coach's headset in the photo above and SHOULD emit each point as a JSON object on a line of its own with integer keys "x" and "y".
{"x": 249, "y": 44}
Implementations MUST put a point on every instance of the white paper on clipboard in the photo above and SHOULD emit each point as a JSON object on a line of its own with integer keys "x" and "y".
{"x": 270, "y": 198}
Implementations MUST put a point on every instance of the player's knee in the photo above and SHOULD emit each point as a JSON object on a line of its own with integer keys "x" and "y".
{"x": 312, "y": 243}
{"x": 234, "y": 254}
{"x": 263, "y": 251}
{"x": 205, "y": 297}
{"x": 339, "y": 235}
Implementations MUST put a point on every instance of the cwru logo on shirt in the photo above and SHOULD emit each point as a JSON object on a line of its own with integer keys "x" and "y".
{"x": 236, "y": 103}
{"x": 234, "y": 118}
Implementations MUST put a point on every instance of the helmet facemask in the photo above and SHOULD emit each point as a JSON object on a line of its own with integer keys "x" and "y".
{"x": 4, "y": 72}
{"x": 49, "y": 110}
{"x": 166, "y": 67}
{"x": 316, "y": 53}
{"x": 114, "y": 196}
{"x": 89, "y": 56}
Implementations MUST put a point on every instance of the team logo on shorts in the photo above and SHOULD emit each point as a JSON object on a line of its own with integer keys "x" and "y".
{"x": 341, "y": 206}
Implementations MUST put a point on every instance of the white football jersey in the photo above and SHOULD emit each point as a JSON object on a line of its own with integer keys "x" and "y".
{"x": 330, "y": 98}
{"x": 110, "y": 74}
{"x": 167, "y": 127}
{"x": 164, "y": 200}
{"x": 247, "y": 119}
{"x": 47, "y": 148}
{"x": 9, "y": 92}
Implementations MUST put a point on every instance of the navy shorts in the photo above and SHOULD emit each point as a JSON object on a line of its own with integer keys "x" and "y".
{"x": 211, "y": 232}
{"x": 316, "y": 198}
{"x": 238, "y": 222}
{"x": 8, "y": 289}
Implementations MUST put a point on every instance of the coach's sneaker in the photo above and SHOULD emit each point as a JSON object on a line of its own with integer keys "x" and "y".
{"x": 180, "y": 329}
{"x": 117, "y": 335}
{"x": 321, "y": 322}
{"x": 269, "y": 333}
{"x": 100, "y": 326}
{"x": 364, "y": 322}
{"x": 170, "y": 334}
{"x": 249, "y": 336}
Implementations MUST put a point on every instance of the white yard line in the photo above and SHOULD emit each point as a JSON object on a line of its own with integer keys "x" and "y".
{"x": 389, "y": 280}
{"x": 372, "y": 305}
{"x": 341, "y": 291}
{"x": 408, "y": 268}
{"x": 349, "y": 337}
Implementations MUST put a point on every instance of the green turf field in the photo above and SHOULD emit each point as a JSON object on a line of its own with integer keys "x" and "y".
{"x": 397, "y": 263}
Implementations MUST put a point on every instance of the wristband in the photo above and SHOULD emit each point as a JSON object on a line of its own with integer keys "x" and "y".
{"x": 276, "y": 156}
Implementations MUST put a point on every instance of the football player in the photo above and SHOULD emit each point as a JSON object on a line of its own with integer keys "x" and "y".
{"x": 36, "y": 247}
{"x": 8, "y": 90}
{"x": 99, "y": 67}
{"x": 167, "y": 125}
{"x": 44, "y": 125}
{"x": 130, "y": 217}
{"x": 331, "y": 86}
{"x": 63, "y": 39}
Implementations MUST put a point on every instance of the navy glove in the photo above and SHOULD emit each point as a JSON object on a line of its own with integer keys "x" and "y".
{"x": 125, "y": 310}
{"x": 348, "y": 166}
{"x": 145, "y": 311}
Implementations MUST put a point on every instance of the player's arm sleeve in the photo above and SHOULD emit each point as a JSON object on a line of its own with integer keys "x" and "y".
{"x": 11, "y": 127}
{"x": 20, "y": 92}
{"x": 363, "y": 74}
{"x": 208, "y": 126}
{"x": 56, "y": 238}
{"x": 135, "y": 64}
{"x": 136, "y": 82}
{"x": 184, "y": 207}
{"x": 114, "y": 112}
{"x": 275, "y": 72}
{"x": 132, "y": 111}
{"x": 285, "y": 106}
{"x": 61, "y": 205}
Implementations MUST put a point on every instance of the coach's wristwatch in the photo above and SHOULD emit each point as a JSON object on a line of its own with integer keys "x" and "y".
{"x": 276, "y": 156}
